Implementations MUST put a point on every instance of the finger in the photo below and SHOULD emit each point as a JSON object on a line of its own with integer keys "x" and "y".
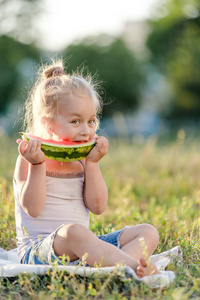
{"x": 33, "y": 146}
{"x": 39, "y": 143}
{"x": 22, "y": 147}
{"x": 104, "y": 141}
{"x": 99, "y": 143}
{"x": 38, "y": 147}
{"x": 100, "y": 138}
{"x": 19, "y": 141}
{"x": 29, "y": 146}
{"x": 105, "y": 144}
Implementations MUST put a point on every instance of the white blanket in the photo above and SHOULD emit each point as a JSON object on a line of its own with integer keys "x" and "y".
{"x": 10, "y": 267}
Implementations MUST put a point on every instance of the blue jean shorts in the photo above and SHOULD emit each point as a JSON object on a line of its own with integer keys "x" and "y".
{"x": 42, "y": 252}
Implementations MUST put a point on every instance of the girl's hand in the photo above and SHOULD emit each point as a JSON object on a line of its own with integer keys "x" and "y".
{"x": 31, "y": 151}
{"x": 99, "y": 150}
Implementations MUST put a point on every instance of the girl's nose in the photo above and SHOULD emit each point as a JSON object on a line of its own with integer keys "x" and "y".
{"x": 85, "y": 129}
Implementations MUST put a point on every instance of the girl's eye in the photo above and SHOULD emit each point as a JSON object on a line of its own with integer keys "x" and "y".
{"x": 92, "y": 122}
{"x": 75, "y": 122}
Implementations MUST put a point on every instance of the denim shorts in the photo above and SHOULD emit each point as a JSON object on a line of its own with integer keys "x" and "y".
{"x": 42, "y": 252}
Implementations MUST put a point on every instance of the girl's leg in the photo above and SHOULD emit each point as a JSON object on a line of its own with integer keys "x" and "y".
{"x": 130, "y": 240}
{"x": 75, "y": 240}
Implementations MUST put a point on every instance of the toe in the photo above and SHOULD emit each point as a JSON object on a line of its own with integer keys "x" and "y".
{"x": 143, "y": 262}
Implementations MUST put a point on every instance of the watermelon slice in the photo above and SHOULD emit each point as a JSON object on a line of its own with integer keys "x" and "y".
{"x": 63, "y": 150}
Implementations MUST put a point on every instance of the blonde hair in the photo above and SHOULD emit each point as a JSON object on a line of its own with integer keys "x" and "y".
{"x": 46, "y": 94}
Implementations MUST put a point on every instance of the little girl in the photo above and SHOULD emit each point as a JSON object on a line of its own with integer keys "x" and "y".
{"x": 53, "y": 199}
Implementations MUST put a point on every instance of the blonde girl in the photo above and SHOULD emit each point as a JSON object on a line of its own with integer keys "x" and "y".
{"x": 53, "y": 199}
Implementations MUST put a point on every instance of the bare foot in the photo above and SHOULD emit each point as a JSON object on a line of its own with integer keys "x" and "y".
{"x": 145, "y": 270}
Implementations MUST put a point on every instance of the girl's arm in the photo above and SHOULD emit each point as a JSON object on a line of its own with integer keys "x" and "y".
{"x": 95, "y": 191}
{"x": 30, "y": 179}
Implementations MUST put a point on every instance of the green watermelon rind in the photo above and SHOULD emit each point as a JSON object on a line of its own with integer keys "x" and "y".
{"x": 64, "y": 153}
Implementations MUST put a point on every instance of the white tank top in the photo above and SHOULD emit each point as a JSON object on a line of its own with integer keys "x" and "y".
{"x": 64, "y": 205}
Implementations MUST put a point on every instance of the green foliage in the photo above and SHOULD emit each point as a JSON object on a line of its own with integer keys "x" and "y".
{"x": 175, "y": 46}
{"x": 17, "y": 51}
{"x": 109, "y": 59}
{"x": 15, "y": 60}
{"x": 155, "y": 183}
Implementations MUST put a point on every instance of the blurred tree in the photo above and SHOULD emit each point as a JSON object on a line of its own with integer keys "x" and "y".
{"x": 17, "y": 19}
{"x": 17, "y": 50}
{"x": 109, "y": 59}
{"x": 14, "y": 66}
{"x": 175, "y": 46}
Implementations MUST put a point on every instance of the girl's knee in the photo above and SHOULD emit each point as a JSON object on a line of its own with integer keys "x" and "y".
{"x": 152, "y": 233}
{"x": 67, "y": 240}
{"x": 72, "y": 231}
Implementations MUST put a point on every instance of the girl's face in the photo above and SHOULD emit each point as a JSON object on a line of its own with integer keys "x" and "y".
{"x": 76, "y": 120}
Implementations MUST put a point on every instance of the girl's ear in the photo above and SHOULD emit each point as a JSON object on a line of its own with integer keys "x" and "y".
{"x": 46, "y": 121}
{"x": 48, "y": 124}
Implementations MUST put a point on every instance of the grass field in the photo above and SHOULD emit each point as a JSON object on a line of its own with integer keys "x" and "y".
{"x": 153, "y": 182}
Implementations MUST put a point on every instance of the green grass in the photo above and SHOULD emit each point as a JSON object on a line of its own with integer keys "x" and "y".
{"x": 153, "y": 182}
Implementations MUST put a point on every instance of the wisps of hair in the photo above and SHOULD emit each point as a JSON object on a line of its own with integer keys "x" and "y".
{"x": 51, "y": 83}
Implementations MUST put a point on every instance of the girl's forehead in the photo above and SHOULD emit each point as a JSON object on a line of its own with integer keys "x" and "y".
{"x": 77, "y": 103}
{"x": 77, "y": 100}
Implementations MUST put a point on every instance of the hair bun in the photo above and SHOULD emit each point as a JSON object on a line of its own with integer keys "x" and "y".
{"x": 53, "y": 72}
